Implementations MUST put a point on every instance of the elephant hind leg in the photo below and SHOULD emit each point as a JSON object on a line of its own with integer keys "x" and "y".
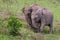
{"x": 51, "y": 29}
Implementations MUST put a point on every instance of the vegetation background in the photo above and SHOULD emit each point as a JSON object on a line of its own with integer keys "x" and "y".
{"x": 13, "y": 7}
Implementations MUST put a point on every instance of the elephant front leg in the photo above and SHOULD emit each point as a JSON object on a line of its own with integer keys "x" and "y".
{"x": 42, "y": 27}
{"x": 35, "y": 26}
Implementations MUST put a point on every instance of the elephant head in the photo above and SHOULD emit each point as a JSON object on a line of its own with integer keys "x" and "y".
{"x": 26, "y": 10}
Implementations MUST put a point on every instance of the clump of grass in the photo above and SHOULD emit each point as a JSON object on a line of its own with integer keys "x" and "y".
{"x": 13, "y": 25}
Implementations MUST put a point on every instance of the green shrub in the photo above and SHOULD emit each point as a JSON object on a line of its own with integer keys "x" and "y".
{"x": 13, "y": 24}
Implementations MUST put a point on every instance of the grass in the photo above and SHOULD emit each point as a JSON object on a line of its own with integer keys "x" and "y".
{"x": 15, "y": 6}
{"x": 5, "y": 37}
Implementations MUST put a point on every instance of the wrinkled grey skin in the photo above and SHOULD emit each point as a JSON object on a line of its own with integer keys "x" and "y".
{"x": 41, "y": 18}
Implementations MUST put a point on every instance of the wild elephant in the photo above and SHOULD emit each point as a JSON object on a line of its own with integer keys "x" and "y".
{"x": 28, "y": 10}
{"x": 41, "y": 18}
{"x": 37, "y": 23}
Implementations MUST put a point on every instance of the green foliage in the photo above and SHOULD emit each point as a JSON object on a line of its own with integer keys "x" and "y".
{"x": 14, "y": 23}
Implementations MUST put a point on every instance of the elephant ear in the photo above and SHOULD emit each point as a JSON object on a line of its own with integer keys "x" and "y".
{"x": 44, "y": 11}
{"x": 40, "y": 12}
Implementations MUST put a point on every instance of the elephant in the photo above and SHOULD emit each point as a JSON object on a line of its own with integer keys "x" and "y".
{"x": 27, "y": 11}
{"x": 38, "y": 17}
{"x": 41, "y": 18}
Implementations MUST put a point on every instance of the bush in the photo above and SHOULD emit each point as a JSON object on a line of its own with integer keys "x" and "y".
{"x": 13, "y": 24}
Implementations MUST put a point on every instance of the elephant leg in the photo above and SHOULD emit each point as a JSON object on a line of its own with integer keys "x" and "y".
{"x": 42, "y": 28}
{"x": 42, "y": 25}
{"x": 51, "y": 29}
{"x": 35, "y": 26}
{"x": 39, "y": 25}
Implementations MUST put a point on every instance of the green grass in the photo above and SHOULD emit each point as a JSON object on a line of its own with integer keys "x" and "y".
{"x": 5, "y": 37}
{"x": 15, "y": 6}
